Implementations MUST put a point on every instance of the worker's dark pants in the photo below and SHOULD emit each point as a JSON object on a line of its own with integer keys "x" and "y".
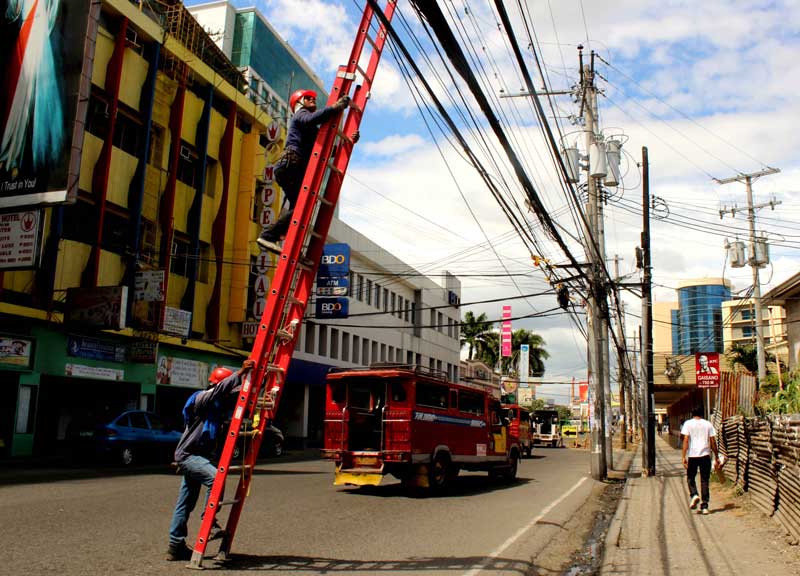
{"x": 289, "y": 172}
{"x": 704, "y": 464}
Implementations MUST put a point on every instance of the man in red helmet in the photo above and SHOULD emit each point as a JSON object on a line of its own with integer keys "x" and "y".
{"x": 291, "y": 166}
{"x": 203, "y": 415}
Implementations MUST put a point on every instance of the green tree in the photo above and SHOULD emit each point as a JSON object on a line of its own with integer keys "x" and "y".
{"x": 510, "y": 365}
{"x": 473, "y": 332}
{"x": 746, "y": 356}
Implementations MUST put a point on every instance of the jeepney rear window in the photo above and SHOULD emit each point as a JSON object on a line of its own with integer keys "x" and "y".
{"x": 470, "y": 402}
{"x": 431, "y": 395}
{"x": 360, "y": 395}
{"x": 398, "y": 392}
{"x": 338, "y": 392}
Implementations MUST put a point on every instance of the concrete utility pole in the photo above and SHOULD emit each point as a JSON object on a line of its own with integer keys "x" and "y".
{"x": 754, "y": 265}
{"x": 649, "y": 444}
{"x": 598, "y": 422}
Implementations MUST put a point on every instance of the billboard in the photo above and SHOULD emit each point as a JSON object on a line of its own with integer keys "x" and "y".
{"x": 46, "y": 53}
{"x": 706, "y": 367}
{"x": 505, "y": 332}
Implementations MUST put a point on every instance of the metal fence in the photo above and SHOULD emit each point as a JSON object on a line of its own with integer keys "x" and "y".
{"x": 764, "y": 460}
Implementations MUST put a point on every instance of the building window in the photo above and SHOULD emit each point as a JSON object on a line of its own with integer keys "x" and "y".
{"x": 309, "y": 346}
{"x": 323, "y": 340}
{"x": 369, "y": 292}
{"x": 346, "y": 346}
{"x": 409, "y": 357}
{"x": 356, "y": 349}
{"x": 377, "y": 295}
{"x": 747, "y": 314}
{"x": 187, "y": 165}
{"x": 374, "y": 352}
{"x": 360, "y": 290}
{"x": 180, "y": 257}
{"x": 365, "y": 352}
{"x": 334, "y": 343}
{"x": 385, "y": 299}
{"x": 439, "y": 322}
{"x": 394, "y": 303}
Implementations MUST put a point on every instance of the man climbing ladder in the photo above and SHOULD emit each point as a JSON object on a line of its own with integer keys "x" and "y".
{"x": 292, "y": 284}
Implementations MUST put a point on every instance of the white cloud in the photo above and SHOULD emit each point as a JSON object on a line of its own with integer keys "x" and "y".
{"x": 393, "y": 145}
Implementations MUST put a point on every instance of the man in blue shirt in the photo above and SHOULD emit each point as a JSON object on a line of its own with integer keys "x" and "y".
{"x": 291, "y": 167}
{"x": 204, "y": 413}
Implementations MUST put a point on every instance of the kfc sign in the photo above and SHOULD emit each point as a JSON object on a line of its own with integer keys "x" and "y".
{"x": 706, "y": 366}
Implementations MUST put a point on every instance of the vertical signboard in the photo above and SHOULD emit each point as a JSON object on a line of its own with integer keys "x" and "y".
{"x": 706, "y": 365}
{"x": 46, "y": 54}
{"x": 505, "y": 332}
{"x": 524, "y": 365}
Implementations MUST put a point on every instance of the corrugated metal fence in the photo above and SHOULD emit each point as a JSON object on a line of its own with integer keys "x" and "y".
{"x": 764, "y": 460}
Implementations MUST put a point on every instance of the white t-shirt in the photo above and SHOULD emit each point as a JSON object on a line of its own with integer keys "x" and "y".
{"x": 699, "y": 431}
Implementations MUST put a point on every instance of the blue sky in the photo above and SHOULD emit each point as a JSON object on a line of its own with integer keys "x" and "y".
{"x": 709, "y": 87}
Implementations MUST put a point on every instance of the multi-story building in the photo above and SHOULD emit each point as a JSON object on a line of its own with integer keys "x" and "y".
{"x": 271, "y": 66}
{"x": 739, "y": 326}
{"x": 697, "y": 322}
{"x": 149, "y": 276}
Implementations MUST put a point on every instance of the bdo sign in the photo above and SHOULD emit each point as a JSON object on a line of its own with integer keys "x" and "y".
{"x": 332, "y": 307}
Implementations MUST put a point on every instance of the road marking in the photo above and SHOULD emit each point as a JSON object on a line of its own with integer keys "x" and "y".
{"x": 524, "y": 529}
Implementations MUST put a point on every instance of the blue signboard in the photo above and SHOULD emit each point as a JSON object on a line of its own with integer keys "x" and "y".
{"x": 332, "y": 307}
{"x": 335, "y": 260}
{"x": 92, "y": 349}
{"x": 333, "y": 285}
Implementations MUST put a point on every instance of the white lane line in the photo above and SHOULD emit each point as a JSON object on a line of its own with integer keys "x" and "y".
{"x": 524, "y": 529}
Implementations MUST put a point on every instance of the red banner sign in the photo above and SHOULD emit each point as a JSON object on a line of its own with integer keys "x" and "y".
{"x": 505, "y": 332}
{"x": 706, "y": 366}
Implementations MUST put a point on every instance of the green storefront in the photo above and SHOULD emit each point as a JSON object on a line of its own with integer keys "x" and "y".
{"x": 70, "y": 378}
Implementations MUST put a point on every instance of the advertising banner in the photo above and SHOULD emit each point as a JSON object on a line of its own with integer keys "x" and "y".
{"x": 505, "y": 332}
{"x": 176, "y": 321}
{"x": 17, "y": 352}
{"x": 335, "y": 260}
{"x": 93, "y": 349}
{"x": 46, "y": 51}
{"x": 181, "y": 372}
{"x": 20, "y": 239}
{"x": 101, "y": 307}
{"x": 706, "y": 366}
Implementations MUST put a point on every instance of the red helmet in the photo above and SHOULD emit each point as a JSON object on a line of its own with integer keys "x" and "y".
{"x": 219, "y": 374}
{"x": 299, "y": 95}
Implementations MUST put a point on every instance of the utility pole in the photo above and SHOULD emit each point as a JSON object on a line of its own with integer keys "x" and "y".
{"x": 755, "y": 264}
{"x": 598, "y": 422}
{"x": 647, "y": 325}
{"x": 621, "y": 371}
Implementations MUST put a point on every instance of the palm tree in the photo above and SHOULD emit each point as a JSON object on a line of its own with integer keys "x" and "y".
{"x": 473, "y": 331}
{"x": 488, "y": 351}
{"x": 536, "y": 352}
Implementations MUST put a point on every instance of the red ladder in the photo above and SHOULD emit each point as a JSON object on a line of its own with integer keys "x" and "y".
{"x": 292, "y": 285}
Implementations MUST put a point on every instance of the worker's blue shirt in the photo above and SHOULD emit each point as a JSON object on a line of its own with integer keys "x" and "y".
{"x": 303, "y": 129}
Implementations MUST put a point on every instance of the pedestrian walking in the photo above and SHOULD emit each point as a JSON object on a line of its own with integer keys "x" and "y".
{"x": 291, "y": 166}
{"x": 698, "y": 443}
{"x": 203, "y": 415}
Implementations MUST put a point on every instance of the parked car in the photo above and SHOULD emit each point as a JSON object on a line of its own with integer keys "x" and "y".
{"x": 131, "y": 438}
{"x": 271, "y": 444}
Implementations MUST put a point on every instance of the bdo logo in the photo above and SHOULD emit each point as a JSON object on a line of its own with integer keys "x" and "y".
{"x": 332, "y": 259}
{"x": 330, "y": 307}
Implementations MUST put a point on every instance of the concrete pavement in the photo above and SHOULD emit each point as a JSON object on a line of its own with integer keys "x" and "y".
{"x": 654, "y": 532}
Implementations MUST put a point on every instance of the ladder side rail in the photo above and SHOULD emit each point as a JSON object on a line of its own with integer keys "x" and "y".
{"x": 287, "y": 275}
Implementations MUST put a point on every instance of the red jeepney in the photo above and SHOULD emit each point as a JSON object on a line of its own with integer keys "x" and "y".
{"x": 412, "y": 423}
{"x": 519, "y": 426}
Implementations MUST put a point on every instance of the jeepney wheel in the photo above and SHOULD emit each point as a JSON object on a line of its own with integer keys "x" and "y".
{"x": 439, "y": 474}
{"x": 511, "y": 473}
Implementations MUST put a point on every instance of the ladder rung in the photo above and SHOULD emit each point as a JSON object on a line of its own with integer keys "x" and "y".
{"x": 275, "y": 368}
{"x": 315, "y": 234}
{"x": 228, "y": 502}
{"x": 305, "y": 263}
{"x": 240, "y": 468}
{"x": 344, "y": 137}
{"x": 333, "y": 169}
{"x": 292, "y": 299}
{"x": 284, "y": 334}
{"x": 268, "y": 404}
{"x": 371, "y": 42}
{"x": 249, "y": 433}
{"x": 325, "y": 201}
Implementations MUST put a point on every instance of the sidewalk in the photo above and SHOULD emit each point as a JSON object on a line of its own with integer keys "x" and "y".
{"x": 654, "y": 532}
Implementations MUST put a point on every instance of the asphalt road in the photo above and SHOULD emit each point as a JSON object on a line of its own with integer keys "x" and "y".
{"x": 296, "y": 520}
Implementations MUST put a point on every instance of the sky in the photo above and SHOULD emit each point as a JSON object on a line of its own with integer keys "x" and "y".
{"x": 710, "y": 88}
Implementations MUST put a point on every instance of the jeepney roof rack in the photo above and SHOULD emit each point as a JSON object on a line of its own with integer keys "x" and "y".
{"x": 415, "y": 368}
